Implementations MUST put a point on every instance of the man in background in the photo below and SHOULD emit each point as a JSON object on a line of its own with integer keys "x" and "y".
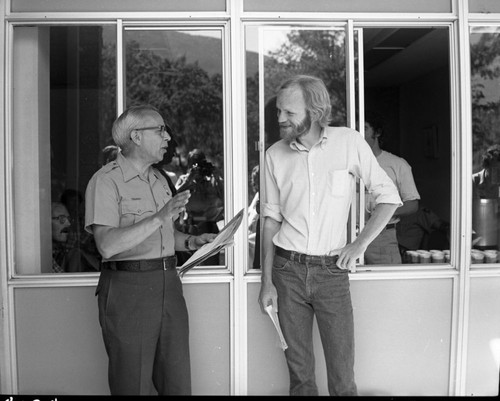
{"x": 384, "y": 249}
{"x": 61, "y": 222}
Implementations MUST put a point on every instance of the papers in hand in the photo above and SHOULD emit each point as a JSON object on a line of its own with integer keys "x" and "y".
{"x": 274, "y": 317}
{"x": 223, "y": 240}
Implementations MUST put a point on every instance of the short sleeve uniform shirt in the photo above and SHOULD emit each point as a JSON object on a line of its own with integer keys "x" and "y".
{"x": 117, "y": 196}
{"x": 399, "y": 171}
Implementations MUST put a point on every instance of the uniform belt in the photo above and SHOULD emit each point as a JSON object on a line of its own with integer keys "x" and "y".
{"x": 303, "y": 258}
{"x": 389, "y": 226}
{"x": 167, "y": 263}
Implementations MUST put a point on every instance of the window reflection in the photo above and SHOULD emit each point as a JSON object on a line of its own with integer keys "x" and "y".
{"x": 63, "y": 109}
{"x": 485, "y": 78}
{"x": 284, "y": 52}
{"x": 180, "y": 73}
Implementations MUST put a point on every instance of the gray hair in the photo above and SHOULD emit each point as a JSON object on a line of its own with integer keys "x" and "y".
{"x": 315, "y": 94}
{"x": 127, "y": 122}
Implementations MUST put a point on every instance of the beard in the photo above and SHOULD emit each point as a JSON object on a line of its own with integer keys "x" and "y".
{"x": 293, "y": 131}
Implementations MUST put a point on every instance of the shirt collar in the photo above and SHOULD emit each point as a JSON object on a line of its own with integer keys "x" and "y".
{"x": 129, "y": 171}
{"x": 322, "y": 142}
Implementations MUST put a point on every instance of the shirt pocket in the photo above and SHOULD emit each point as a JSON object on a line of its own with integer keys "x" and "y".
{"x": 338, "y": 183}
{"x": 135, "y": 210}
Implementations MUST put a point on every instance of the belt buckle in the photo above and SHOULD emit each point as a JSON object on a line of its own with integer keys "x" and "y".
{"x": 164, "y": 262}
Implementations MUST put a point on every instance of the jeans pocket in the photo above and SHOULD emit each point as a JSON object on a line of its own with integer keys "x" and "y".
{"x": 280, "y": 263}
{"x": 334, "y": 270}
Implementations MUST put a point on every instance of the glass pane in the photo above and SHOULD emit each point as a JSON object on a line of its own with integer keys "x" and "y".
{"x": 180, "y": 73}
{"x": 484, "y": 6}
{"x": 407, "y": 124}
{"x": 349, "y": 6}
{"x": 116, "y": 5}
{"x": 485, "y": 79}
{"x": 64, "y": 85}
{"x": 285, "y": 51}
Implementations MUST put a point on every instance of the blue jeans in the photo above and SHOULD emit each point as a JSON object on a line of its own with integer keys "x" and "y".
{"x": 321, "y": 289}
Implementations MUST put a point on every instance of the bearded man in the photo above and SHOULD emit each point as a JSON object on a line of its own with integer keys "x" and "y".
{"x": 310, "y": 177}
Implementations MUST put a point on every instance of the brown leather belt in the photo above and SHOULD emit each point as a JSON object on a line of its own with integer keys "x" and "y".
{"x": 167, "y": 263}
{"x": 303, "y": 258}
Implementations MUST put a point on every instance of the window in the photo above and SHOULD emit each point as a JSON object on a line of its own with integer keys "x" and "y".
{"x": 485, "y": 78}
{"x": 405, "y": 73}
{"x": 180, "y": 73}
{"x": 64, "y": 103}
{"x": 272, "y": 55}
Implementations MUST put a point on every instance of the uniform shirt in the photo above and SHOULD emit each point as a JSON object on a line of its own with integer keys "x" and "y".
{"x": 310, "y": 191}
{"x": 117, "y": 196}
{"x": 399, "y": 171}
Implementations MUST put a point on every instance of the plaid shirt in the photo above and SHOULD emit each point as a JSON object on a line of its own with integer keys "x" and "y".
{"x": 59, "y": 252}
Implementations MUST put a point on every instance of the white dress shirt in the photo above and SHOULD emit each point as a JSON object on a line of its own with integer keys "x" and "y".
{"x": 310, "y": 191}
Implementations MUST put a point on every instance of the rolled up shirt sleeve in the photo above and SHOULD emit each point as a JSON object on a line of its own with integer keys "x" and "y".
{"x": 376, "y": 180}
{"x": 271, "y": 205}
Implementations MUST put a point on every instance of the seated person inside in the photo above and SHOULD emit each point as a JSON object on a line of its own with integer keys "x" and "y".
{"x": 61, "y": 221}
{"x": 82, "y": 253}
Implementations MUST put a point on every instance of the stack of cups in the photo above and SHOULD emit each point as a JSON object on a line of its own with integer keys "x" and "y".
{"x": 437, "y": 256}
{"x": 477, "y": 256}
{"x": 446, "y": 255}
{"x": 412, "y": 257}
{"x": 490, "y": 256}
{"x": 424, "y": 256}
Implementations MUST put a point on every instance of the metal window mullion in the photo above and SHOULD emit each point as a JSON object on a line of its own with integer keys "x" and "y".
{"x": 237, "y": 166}
{"x": 351, "y": 116}
{"x": 120, "y": 68}
{"x": 9, "y": 345}
{"x": 464, "y": 139}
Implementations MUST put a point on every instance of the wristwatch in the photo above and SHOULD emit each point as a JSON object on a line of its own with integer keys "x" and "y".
{"x": 187, "y": 243}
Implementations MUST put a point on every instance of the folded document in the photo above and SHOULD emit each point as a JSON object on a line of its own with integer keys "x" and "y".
{"x": 274, "y": 317}
{"x": 223, "y": 240}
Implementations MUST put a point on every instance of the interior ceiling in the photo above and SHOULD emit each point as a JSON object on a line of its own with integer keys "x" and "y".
{"x": 396, "y": 55}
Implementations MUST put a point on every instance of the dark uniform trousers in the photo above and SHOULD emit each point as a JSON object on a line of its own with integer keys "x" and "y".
{"x": 144, "y": 323}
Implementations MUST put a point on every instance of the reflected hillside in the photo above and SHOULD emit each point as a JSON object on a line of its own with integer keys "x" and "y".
{"x": 195, "y": 48}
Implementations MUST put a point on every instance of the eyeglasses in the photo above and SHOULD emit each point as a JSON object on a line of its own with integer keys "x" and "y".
{"x": 161, "y": 128}
{"x": 62, "y": 218}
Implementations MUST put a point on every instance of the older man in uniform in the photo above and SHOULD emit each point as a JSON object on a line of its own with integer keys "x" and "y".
{"x": 142, "y": 311}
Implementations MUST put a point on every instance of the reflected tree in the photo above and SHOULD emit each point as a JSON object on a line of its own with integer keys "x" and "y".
{"x": 485, "y": 70}
{"x": 314, "y": 52}
{"x": 184, "y": 93}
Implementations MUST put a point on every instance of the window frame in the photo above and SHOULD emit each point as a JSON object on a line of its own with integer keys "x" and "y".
{"x": 357, "y": 103}
{"x": 219, "y": 272}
